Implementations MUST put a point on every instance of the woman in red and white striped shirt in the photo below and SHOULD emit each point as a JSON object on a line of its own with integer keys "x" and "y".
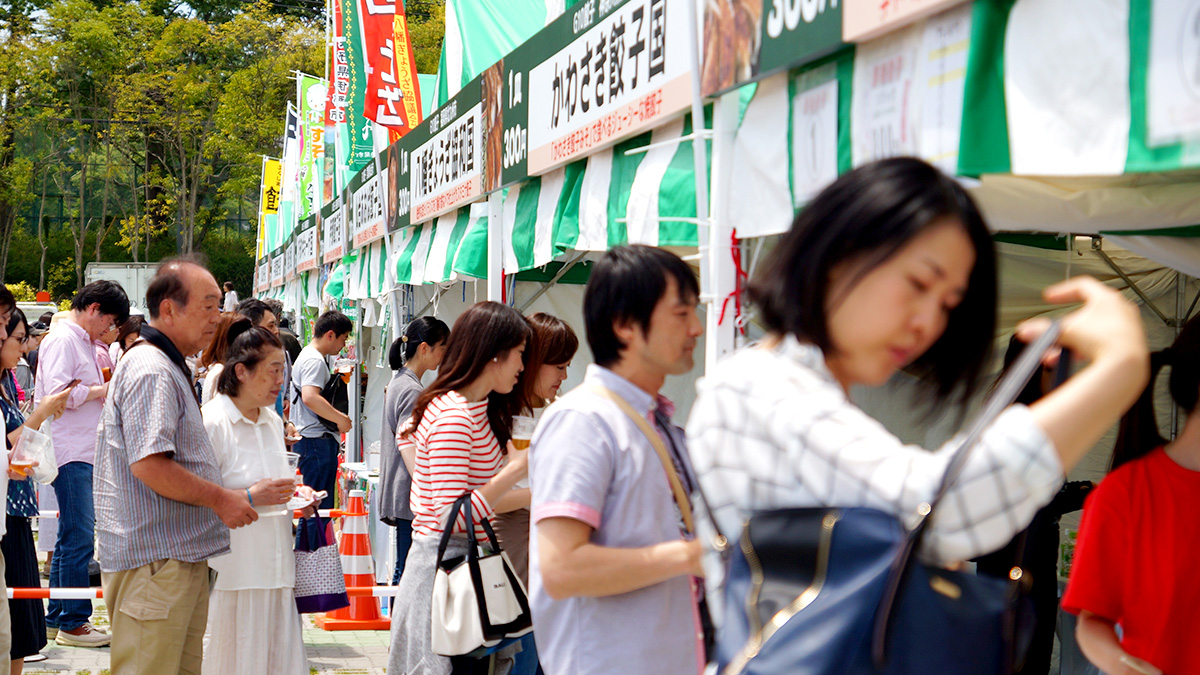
{"x": 454, "y": 443}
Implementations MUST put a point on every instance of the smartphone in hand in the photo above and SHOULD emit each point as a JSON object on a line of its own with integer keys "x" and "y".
{"x": 69, "y": 385}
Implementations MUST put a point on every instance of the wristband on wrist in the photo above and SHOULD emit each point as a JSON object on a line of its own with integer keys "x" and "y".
{"x": 249, "y": 497}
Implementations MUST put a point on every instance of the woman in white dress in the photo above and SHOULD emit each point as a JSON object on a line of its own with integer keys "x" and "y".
{"x": 253, "y": 625}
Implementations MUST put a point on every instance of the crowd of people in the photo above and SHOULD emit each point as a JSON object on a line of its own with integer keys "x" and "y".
{"x": 176, "y": 458}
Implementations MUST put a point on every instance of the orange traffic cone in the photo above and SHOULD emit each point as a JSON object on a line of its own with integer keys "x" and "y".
{"x": 363, "y": 612}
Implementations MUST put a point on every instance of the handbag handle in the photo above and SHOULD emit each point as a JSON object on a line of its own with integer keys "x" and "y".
{"x": 681, "y": 498}
{"x": 463, "y": 504}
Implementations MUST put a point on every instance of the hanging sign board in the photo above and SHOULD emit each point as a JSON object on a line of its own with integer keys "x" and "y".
{"x": 306, "y": 246}
{"x": 867, "y": 19}
{"x": 747, "y": 40}
{"x": 447, "y": 170}
{"x": 367, "y": 202}
{"x": 277, "y": 268}
{"x": 616, "y": 69}
{"x": 289, "y": 259}
{"x": 333, "y": 231}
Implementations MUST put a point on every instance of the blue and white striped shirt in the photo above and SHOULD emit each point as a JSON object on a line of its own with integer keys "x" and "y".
{"x": 151, "y": 410}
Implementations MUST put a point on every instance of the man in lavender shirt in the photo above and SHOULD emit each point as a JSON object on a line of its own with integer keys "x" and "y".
{"x": 612, "y": 574}
{"x": 68, "y": 354}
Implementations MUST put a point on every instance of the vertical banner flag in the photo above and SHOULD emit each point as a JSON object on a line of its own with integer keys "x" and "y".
{"x": 361, "y": 135}
{"x": 268, "y": 204}
{"x": 291, "y": 162}
{"x": 310, "y": 93}
{"x": 406, "y": 71}
{"x": 386, "y": 102}
{"x": 337, "y": 157}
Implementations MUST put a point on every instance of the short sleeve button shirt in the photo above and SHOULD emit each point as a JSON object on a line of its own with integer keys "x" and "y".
{"x": 591, "y": 463}
{"x": 151, "y": 409}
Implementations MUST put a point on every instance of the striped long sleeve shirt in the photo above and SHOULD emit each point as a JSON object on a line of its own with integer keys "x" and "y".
{"x": 456, "y": 452}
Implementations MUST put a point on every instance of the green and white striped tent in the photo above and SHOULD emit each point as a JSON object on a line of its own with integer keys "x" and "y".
{"x": 1054, "y": 133}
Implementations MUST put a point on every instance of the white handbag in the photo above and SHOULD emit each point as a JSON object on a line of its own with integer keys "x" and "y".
{"x": 477, "y": 600}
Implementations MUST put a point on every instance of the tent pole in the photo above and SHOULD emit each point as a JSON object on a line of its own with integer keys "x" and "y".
{"x": 554, "y": 280}
{"x": 1096, "y": 246}
{"x": 713, "y": 237}
{"x": 495, "y": 246}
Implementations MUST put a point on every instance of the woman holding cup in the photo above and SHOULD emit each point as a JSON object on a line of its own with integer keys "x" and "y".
{"x": 21, "y": 571}
{"x": 253, "y": 625}
{"x": 550, "y": 352}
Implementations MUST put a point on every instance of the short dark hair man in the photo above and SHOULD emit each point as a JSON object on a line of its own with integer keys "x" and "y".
{"x": 318, "y": 446}
{"x": 68, "y": 353}
{"x": 610, "y": 563}
{"x": 161, "y": 510}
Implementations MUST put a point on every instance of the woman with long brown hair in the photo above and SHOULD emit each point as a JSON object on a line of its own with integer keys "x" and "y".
{"x": 212, "y": 359}
{"x": 451, "y": 445}
{"x": 551, "y": 349}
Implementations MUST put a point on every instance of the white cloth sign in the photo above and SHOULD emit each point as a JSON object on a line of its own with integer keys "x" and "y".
{"x": 814, "y": 140}
{"x": 1173, "y": 86}
{"x": 1066, "y": 83}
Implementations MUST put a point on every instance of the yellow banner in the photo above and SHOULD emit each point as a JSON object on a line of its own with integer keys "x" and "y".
{"x": 406, "y": 72}
{"x": 271, "y": 186}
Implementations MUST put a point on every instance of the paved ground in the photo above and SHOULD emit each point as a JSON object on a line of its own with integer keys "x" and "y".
{"x": 339, "y": 652}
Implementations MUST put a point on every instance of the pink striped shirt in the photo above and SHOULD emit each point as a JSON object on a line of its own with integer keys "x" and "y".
{"x": 456, "y": 452}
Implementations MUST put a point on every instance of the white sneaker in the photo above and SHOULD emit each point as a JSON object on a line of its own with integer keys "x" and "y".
{"x": 86, "y": 635}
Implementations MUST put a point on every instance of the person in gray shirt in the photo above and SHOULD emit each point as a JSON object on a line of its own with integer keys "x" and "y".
{"x": 318, "y": 445}
{"x": 411, "y": 355}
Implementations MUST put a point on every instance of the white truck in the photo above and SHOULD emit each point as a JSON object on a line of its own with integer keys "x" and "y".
{"x": 133, "y": 277}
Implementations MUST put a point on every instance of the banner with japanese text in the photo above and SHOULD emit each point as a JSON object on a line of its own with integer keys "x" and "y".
{"x": 277, "y": 267}
{"x": 367, "y": 204}
{"x": 268, "y": 204}
{"x": 386, "y": 102}
{"x": 306, "y": 245}
{"x": 360, "y": 140}
{"x": 311, "y": 93}
{"x": 289, "y": 259}
{"x": 337, "y": 145}
{"x": 614, "y": 69}
{"x": 440, "y": 165}
{"x": 333, "y": 231}
{"x": 291, "y": 164}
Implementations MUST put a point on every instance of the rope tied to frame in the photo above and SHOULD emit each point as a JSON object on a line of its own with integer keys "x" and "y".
{"x": 739, "y": 281}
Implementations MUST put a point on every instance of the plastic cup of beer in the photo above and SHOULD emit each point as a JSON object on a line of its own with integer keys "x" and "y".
{"x": 107, "y": 372}
{"x": 522, "y": 432}
{"x": 21, "y": 460}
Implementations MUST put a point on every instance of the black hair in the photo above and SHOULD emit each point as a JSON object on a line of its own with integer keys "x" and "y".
{"x": 253, "y": 309}
{"x": 864, "y": 218}
{"x": 424, "y": 329}
{"x": 249, "y": 348}
{"x": 332, "y": 320}
{"x": 168, "y": 282}
{"x": 106, "y": 293}
{"x": 1138, "y": 432}
{"x": 485, "y": 331}
{"x": 45, "y": 318}
{"x": 626, "y": 285}
{"x": 6, "y": 299}
{"x": 16, "y": 319}
{"x": 132, "y": 325}
{"x": 229, "y": 285}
